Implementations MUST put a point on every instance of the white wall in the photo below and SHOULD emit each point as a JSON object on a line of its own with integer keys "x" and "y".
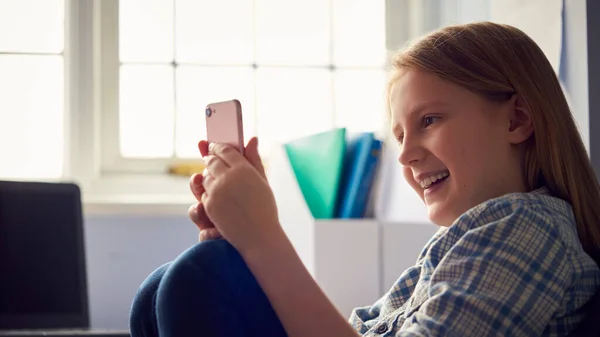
{"x": 574, "y": 70}
{"x": 120, "y": 252}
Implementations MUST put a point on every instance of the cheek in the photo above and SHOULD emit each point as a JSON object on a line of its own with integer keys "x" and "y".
{"x": 469, "y": 155}
{"x": 453, "y": 149}
{"x": 460, "y": 154}
{"x": 408, "y": 175}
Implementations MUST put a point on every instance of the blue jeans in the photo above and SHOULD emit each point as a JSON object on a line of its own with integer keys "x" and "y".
{"x": 207, "y": 291}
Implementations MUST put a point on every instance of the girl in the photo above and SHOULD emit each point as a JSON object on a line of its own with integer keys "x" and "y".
{"x": 488, "y": 143}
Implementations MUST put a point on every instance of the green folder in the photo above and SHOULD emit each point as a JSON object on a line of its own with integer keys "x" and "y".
{"x": 317, "y": 163}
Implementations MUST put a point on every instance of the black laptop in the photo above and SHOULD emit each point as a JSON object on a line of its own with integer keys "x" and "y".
{"x": 43, "y": 286}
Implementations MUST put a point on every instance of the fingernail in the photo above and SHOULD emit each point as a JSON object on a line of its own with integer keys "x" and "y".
{"x": 211, "y": 146}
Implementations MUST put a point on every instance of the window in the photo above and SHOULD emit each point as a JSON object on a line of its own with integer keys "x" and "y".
{"x": 298, "y": 67}
{"x": 32, "y": 41}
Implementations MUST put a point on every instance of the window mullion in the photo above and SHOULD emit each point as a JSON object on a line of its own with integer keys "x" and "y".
{"x": 174, "y": 64}
{"x": 108, "y": 76}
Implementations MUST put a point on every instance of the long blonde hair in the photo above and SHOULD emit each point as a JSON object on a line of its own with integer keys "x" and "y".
{"x": 498, "y": 61}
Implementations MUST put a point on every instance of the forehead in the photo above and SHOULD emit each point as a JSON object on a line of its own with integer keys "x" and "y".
{"x": 415, "y": 87}
{"x": 415, "y": 91}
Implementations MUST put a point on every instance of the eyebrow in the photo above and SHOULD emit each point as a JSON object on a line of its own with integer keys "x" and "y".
{"x": 417, "y": 110}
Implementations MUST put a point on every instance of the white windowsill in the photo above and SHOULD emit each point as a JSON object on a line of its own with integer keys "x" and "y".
{"x": 146, "y": 205}
{"x": 121, "y": 194}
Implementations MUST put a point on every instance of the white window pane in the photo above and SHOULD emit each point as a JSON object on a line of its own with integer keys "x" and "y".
{"x": 31, "y": 116}
{"x": 292, "y": 32}
{"x": 215, "y": 32}
{"x": 359, "y": 32}
{"x": 146, "y": 113}
{"x": 146, "y": 30}
{"x": 199, "y": 86}
{"x": 360, "y": 99}
{"x": 292, "y": 103}
{"x": 32, "y": 26}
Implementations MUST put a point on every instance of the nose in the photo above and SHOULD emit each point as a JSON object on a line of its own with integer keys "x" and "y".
{"x": 411, "y": 150}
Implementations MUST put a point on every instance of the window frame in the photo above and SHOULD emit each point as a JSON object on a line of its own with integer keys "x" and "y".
{"x": 111, "y": 159}
{"x": 112, "y": 184}
{"x": 68, "y": 103}
{"x": 103, "y": 191}
{"x": 107, "y": 17}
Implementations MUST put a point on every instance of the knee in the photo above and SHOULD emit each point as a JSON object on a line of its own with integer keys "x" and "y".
{"x": 145, "y": 297}
{"x": 206, "y": 255}
{"x": 205, "y": 263}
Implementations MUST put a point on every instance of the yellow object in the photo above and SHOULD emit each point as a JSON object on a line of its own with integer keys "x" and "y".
{"x": 186, "y": 168}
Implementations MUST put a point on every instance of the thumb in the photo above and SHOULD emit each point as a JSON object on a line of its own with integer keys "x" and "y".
{"x": 203, "y": 147}
{"x": 251, "y": 153}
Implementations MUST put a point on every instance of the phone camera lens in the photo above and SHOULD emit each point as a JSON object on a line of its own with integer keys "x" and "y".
{"x": 208, "y": 112}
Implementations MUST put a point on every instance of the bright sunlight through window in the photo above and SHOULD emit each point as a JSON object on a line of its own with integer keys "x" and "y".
{"x": 298, "y": 67}
{"x": 32, "y": 86}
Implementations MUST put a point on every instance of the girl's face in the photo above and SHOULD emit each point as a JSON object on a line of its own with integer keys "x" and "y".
{"x": 458, "y": 149}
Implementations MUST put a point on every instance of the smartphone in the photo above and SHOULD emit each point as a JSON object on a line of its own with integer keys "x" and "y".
{"x": 224, "y": 124}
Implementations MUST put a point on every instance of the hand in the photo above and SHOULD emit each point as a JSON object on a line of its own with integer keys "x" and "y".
{"x": 237, "y": 197}
{"x": 197, "y": 213}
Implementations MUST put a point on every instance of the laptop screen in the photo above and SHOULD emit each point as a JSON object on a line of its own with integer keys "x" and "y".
{"x": 42, "y": 263}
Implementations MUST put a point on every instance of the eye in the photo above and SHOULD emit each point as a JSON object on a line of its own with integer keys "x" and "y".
{"x": 428, "y": 120}
{"x": 400, "y": 139}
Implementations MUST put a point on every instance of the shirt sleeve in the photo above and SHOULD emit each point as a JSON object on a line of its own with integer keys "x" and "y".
{"x": 363, "y": 318}
{"x": 506, "y": 278}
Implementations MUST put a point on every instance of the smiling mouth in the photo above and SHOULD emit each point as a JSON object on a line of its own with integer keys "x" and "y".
{"x": 434, "y": 180}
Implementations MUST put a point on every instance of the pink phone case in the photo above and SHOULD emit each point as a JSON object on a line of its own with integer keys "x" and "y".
{"x": 224, "y": 124}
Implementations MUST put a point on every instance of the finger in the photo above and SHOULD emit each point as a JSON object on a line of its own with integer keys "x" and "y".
{"x": 253, "y": 156}
{"x": 203, "y": 147}
{"x": 215, "y": 165}
{"x": 229, "y": 155}
{"x": 207, "y": 202}
{"x": 209, "y": 234}
{"x": 196, "y": 185}
{"x": 198, "y": 216}
{"x": 207, "y": 182}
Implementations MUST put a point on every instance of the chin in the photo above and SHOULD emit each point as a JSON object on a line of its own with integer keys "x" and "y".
{"x": 441, "y": 216}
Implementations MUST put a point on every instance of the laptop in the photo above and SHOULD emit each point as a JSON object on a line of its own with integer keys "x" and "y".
{"x": 43, "y": 285}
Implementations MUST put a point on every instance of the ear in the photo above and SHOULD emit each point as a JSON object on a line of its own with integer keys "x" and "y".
{"x": 520, "y": 121}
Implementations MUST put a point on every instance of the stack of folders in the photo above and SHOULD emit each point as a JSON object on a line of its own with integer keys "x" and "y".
{"x": 335, "y": 171}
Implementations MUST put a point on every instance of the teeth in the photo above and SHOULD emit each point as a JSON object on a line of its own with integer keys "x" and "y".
{"x": 425, "y": 183}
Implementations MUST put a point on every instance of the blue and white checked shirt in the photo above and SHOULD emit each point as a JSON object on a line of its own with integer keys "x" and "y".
{"x": 511, "y": 266}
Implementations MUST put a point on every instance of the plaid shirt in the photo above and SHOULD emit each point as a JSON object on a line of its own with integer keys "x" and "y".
{"x": 511, "y": 266}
